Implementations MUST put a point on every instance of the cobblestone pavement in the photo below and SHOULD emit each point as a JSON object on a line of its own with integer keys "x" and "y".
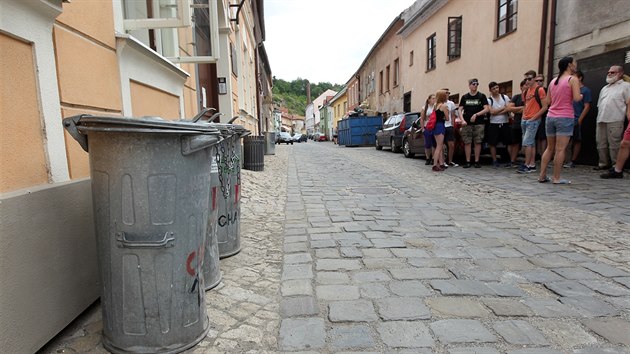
{"x": 357, "y": 250}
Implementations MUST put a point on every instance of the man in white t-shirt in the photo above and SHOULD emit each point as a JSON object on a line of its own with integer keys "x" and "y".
{"x": 499, "y": 129}
{"x": 449, "y": 135}
{"x": 611, "y": 107}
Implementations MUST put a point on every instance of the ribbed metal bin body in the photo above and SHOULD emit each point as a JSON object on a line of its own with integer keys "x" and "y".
{"x": 151, "y": 206}
{"x": 254, "y": 153}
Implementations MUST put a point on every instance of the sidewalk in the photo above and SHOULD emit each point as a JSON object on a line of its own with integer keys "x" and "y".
{"x": 243, "y": 309}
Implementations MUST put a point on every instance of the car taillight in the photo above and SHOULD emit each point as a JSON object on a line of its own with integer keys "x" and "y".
{"x": 402, "y": 125}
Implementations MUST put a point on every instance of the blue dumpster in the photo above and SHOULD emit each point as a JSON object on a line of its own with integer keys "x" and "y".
{"x": 359, "y": 131}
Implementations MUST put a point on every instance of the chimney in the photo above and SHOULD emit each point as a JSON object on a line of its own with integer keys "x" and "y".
{"x": 308, "y": 92}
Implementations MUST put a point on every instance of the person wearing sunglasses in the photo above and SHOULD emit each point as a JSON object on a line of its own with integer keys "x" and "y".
{"x": 535, "y": 106}
{"x": 611, "y": 105}
{"x": 473, "y": 107}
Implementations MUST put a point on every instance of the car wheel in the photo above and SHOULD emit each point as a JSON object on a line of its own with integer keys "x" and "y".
{"x": 378, "y": 146}
{"x": 393, "y": 146}
{"x": 407, "y": 149}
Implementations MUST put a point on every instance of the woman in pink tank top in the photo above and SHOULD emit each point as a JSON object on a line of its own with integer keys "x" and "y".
{"x": 562, "y": 92}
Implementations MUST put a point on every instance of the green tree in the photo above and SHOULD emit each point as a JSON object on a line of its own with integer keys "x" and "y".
{"x": 292, "y": 94}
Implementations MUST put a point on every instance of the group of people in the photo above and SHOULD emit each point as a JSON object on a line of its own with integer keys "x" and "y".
{"x": 540, "y": 119}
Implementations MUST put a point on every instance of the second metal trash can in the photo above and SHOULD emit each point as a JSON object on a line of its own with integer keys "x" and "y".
{"x": 254, "y": 153}
{"x": 211, "y": 270}
{"x": 270, "y": 143}
{"x": 150, "y": 189}
{"x": 228, "y": 157}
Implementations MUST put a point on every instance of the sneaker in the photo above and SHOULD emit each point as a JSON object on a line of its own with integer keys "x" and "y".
{"x": 612, "y": 174}
{"x": 445, "y": 166}
{"x": 602, "y": 168}
{"x": 508, "y": 165}
{"x": 467, "y": 165}
{"x": 496, "y": 164}
{"x": 429, "y": 162}
{"x": 532, "y": 168}
{"x": 453, "y": 164}
{"x": 477, "y": 165}
{"x": 523, "y": 169}
{"x": 569, "y": 165}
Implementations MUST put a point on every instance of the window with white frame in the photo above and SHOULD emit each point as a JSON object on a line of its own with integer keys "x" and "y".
{"x": 154, "y": 23}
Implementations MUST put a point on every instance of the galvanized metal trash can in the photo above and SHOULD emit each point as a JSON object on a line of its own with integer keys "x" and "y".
{"x": 211, "y": 270}
{"x": 228, "y": 157}
{"x": 254, "y": 153}
{"x": 270, "y": 143}
{"x": 150, "y": 186}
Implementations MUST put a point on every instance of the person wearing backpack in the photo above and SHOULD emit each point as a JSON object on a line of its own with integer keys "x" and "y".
{"x": 499, "y": 129}
{"x": 535, "y": 106}
{"x": 516, "y": 108}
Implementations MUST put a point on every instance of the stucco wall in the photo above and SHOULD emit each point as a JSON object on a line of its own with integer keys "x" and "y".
{"x": 482, "y": 55}
{"x": 21, "y": 147}
{"x": 149, "y": 101}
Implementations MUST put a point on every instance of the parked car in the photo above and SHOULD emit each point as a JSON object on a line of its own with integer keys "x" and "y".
{"x": 284, "y": 137}
{"x": 413, "y": 140}
{"x": 393, "y": 130}
{"x": 299, "y": 138}
{"x": 319, "y": 137}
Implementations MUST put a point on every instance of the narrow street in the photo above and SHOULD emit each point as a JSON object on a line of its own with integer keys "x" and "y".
{"x": 360, "y": 250}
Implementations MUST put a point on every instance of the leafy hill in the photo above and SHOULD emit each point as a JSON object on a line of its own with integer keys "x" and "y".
{"x": 293, "y": 94}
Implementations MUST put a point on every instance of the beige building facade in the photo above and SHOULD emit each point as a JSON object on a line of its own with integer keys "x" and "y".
{"x": 110, "y": 57}
{"x": 445, "y": 43}
{"x": 379, "y": 86}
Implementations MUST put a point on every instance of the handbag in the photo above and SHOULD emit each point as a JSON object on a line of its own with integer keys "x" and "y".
{"x": 432, "y": 120}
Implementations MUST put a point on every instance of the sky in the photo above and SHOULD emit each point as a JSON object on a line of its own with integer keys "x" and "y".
{"x": 324, "y": 40}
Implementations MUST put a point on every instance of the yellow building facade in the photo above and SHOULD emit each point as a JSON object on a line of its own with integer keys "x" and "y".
{"x": 62, "y": 58}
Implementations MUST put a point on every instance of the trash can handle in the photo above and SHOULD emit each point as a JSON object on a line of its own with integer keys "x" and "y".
{"x": 70, "y": 124}
{"x": 193, "y": 143}
{"x": 200, "y": 115}
{"x": 167, "y": 241}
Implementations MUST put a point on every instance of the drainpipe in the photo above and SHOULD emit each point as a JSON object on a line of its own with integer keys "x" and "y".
{"x": 259, "y": 90}
{"x": 543, "y": 37}
{"x": 552, "y": 39}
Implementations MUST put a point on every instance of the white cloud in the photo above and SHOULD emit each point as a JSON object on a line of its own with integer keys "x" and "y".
{"x": 324, "y": 40}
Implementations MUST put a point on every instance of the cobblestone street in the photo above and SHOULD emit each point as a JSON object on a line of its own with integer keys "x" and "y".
{"x": 357, "y": 250}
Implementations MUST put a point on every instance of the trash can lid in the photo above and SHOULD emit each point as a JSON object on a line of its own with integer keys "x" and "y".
{"x": 228, "y": 129}
{"x": 240, "y": 130}
{"x": 147, "y": 124}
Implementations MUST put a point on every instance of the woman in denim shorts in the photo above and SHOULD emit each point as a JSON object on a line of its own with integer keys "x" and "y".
{"x": 562, "y": 92}
{"x": 429, "y": 141}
